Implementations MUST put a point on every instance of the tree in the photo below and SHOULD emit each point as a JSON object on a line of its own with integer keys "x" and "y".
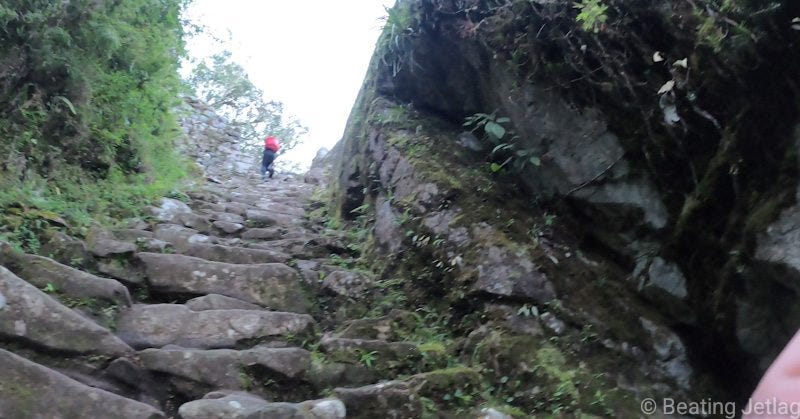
{"x": 226, "y": 88}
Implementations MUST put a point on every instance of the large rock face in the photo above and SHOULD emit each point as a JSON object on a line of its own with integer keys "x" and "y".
{"x": 33, "y": 317}
{"x": 679, "y": 188}
{"x": 29, "y": 390}
{"x": 272, "y": 285}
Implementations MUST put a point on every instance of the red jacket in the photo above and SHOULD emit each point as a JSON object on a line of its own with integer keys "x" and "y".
{"x": 272, "y": 144}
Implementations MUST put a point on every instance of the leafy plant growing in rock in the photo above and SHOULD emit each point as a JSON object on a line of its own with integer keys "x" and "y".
{"x": 507, "y": 151}
{"x": 591, "y": 15}
{"x": 368, "y": 358}
{"x": 396, "y": 40}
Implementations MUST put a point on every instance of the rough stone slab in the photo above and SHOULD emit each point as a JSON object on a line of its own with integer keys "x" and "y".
{"x": 235, "y": 255}
{"x": 121, "y": 269}
{"x": 155, "y": 326}
{"x": 304, "y": 247}
{"x": 212, "y": 206}
{"x": 30, "y": 390}
{"x": 267, "y": 218}
{"x": 32, "y": 316}
{"x": 273, "y": 285}
{"x": 245, "y": 198}
{"x": 66, "y": 249}
{"x": 104, "y": 244}
{"x": 222, "y": 368}
{"x": 193, "y": 221}
{"x": 393, "y": 399}
{"x": 282, "y": 208}
{"x": 179, "y": 236}
{"x": 219, "y": 302}
{"x": 504, "y": 273}
{"x": 169, "y": 208}
{"x": 271, "y": 233}
{"x": 237, "y": 208}
{"x": 228, "y": 227}
{"x": 131, "y": 234}
{"x": 227, "y": 217}
{"x": 227, "y": 405}
{"x": 41, "y": 271}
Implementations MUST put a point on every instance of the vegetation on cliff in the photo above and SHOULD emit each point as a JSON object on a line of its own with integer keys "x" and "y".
{"x": 87, "y": 92}
{"x": 662, "y": 135}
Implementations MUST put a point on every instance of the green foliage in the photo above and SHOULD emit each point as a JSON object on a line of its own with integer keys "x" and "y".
{"x": 368, "y": 358}
{"x": 528, "y": 311}
{"x": 87, "y": 90}
{"x": 507, "y": 151}
{"x": 395, "y": 43}
{"x": 226, "y": 88}
{"x": 245, "y": 381}
{"x": 591, "y": 15}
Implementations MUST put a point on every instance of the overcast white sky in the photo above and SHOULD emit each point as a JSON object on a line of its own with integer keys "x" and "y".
{"x": 309, "y": 54}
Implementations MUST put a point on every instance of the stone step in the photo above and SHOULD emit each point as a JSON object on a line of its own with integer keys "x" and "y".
{"x": 293, "y": 208}
{"x": 215, "y": 369}
{"x": 272, "y": 285}
{"x": 30, "y": 316}
{"x": 228, "y": 227}
{"x": 235, "y": 254}
{"x": 269, "y": 233}
{"x": 180, "y": 237}
{"x": 392, "y": 399}
{"x": 30, "y": 390}
{"x": 44, "y": 272}
{"x": 195, "y": 221}
{"x": 219, "y": 302}
{"x": 307, "y": 247}
{"x": 262, "y": 218}
{"x": 225, "y": 405}
{"x": 157, "y": 325}
{"x": 227, "y": 217}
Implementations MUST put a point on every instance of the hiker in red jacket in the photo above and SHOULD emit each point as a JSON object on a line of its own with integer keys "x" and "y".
{"x": 271, "y": 147}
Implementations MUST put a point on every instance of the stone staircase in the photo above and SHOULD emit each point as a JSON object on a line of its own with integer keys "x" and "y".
{"x": 207, "y": 310}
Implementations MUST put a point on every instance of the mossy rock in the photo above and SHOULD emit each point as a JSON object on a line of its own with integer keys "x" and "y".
{"x": 434, "y": 355}
{"x": 435, "y": 384}
{"x": 398, "y": 324}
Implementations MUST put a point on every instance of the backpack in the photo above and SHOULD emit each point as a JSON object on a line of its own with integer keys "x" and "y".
{"x": 271, "y": 143}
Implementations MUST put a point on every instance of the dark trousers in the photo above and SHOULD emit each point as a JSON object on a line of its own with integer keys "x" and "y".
{"x": 266, "y": 162}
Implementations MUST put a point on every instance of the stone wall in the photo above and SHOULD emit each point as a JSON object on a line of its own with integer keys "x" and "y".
{"x": 213, "y": 143}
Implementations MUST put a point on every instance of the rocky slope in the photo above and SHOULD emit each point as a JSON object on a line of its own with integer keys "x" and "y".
{"x": 206, "y": 310}
{"x": 613, "y": 224}
{"x": 619, "y": 192}
{"x": 245, "y": 303}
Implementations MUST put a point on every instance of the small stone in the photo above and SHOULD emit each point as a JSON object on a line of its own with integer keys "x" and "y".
{"x": 228, "y": 227}
{"x": 169, "y": 208}
{"x": 329, "y": 409}
{"x": 553, "y": 323}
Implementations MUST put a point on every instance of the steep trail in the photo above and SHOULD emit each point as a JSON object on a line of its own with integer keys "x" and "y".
{"x": 212, "y": 314}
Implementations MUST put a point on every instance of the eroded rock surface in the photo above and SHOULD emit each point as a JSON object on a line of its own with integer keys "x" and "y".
{"x": 155, "y": 326}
